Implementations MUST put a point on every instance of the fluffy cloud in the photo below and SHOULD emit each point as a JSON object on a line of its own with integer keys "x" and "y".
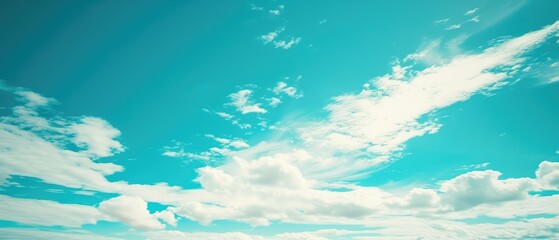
{"x": 418, "y": 198}
{"x": 97, "y": 135}
{"x": 548, "y": 174}
{"x": 132, "y": 211}
{"x": 479, "y": 187}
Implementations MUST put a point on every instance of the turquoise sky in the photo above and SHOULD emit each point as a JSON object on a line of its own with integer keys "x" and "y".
{"x": 279, "y": 120}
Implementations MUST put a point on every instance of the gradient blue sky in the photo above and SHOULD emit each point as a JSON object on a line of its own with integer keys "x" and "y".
{"x": 279, "y": 120}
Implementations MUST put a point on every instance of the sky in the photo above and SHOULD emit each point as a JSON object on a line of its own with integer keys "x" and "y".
{"x": 280, "y": 120}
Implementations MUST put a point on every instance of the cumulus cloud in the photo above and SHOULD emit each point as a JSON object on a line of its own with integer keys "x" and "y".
{"x": 132, "y": 211}
{"x": 97, "y": 136}
{"x": 418, "y": 198}
{"x": 480, "y": 187}
{"x": 548, "y": 174}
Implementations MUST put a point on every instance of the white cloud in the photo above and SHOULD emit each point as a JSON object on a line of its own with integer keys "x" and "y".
{"x": 277, "y": 182}
{"x": 553, "y": 80}
{"x": 474, "y": 19}
{"x": 472, "y": 11}
{"x": 274, "y": 102}
{"x": 239, "y": 143}
{"x": 453, "y": 27}
{"x": 241, "y": 100}
{"x": 97, "y": 136}
{"x": 291, "y": 91}
{"x": 166, "y": 216}
{"x": 178, "y": 235}
{"x": 269, "y": 37}
{"x": 64, "y": 167}
{"x": 36, "y": 234}
{"x": 418, "y": 198}
{"x": 224, "y": 115}
{"x": 33, "y": 99}
{"x": 479, "y": 187}
{"x": 442, "y": 20}
{"x": 287, "y": 44}
{"x": 382, "y": 119}
{"x": 255, "y": 8}
{"x": 47, "y": 213}
{"x": 275, "y": 12}
{"x": 132, "y": 211}
{"x": 548, "y": 174}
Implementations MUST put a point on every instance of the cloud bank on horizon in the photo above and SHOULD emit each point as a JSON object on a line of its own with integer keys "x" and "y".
{"x": 259, "y": 165}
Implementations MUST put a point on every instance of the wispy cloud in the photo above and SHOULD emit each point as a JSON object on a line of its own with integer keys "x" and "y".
{"x": 287, "y": 44}
{"x": 442, "y": 20}
{"x": 474, "y": 19}
{"x": 269, "y": 37}
{"x": 472, "y": 11}
{"x": 453, "y": 27}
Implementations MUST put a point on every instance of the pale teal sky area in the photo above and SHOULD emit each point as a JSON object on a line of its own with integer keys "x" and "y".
{"x": 279, "y": 120}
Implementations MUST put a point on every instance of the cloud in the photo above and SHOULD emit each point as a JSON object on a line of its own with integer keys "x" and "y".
{"x": 47, "y": 213}
{"x": 472, "y": 11}
{"x": 97, "y": 136}
{"x": 287, "y": 182}
{"x": 274, "y": 102}
{"x": 33, "y": 99}
{"x": 275, "y": 12}
{"x": 548, "y": 174}
{"x": 241, "y": 100}
{"x": 380, "y": 120}
{"x": 418, "y": 198}
{"x": 179, "y": 235}
{"x": 269, "y": 37}
{"x": 132, "y": 211}
{"x": 480, "y": 187}
{"x": 37, "y": 234}
{"x": 290, "y": 91}
{"x": 287, "y": 44}
{"x": 474, "y": 19}
{"x": 224, "y": 115}
{"x": 65, "y": 167}
{"x": 442, "y": 20}
{"x": 453, "y": 27}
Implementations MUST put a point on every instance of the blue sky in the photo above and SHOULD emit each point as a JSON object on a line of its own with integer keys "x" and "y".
{"x": 279, "y": 120}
